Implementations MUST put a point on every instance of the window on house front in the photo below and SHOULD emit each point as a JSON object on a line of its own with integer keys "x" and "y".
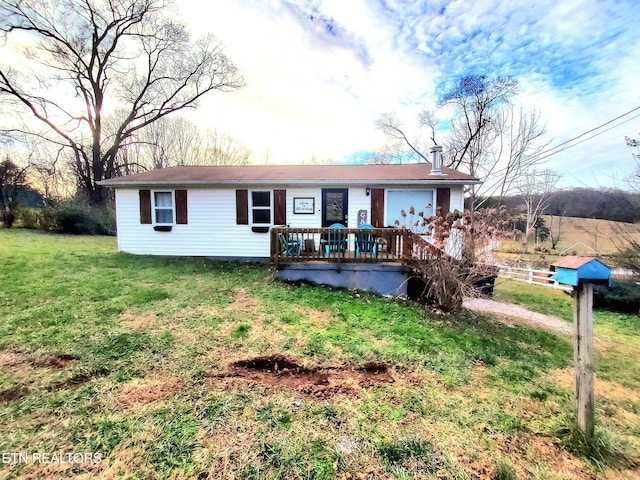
{"x": 163, "y": 207}
{"x": 261, "y": 207}
{"x": 407, "y": 201}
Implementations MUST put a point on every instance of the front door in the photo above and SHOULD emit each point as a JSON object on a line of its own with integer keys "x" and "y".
{"x": 335, "y": 206}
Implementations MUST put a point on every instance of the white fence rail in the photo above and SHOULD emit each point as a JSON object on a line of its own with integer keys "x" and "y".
{"x": 530, "y": 275}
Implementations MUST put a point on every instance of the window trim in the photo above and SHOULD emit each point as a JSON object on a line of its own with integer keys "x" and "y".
{"x": 386, "y": 202}
{"x": 252, "y": 208}
{"x": 155, "y": 208}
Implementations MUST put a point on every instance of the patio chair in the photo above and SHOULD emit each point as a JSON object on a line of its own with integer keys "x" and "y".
{"x": 335, "y": 241}
{"x": 291, "y": 245}
{"x": 366, "y": 242}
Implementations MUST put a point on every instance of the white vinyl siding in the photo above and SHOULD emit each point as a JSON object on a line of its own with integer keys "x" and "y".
{"x": 212, "y": 229}
{"x": 457, "y": 199}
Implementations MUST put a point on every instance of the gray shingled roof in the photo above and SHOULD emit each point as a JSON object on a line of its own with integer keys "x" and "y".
{"x": 288, "y": 174}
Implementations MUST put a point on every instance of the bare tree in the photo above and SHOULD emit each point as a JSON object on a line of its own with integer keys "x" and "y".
{"x": 47, "y": 169}
{"x": 315, "y": 159}
{"x": 169, "y": 141}
{"x": 487, "y": 136}
{"x": 519, "y": 148}
{"x": 393, "y": 128}
{"x": 632, "y": 143}
{"x": 536, "y": 188}
{"x": 220, "y": 148}
{"x": 122, "y": 52}
{"x": 393, "y": 153}
{"x": 185, "y": 138}
{"x": 12, "y": 177}
{"x": 555, "y": 229}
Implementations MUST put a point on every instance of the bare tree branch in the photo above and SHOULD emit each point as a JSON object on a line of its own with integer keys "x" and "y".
{"x": 536, "y": 188}
{"x": 125, "y": 52}
{"x": 486, "y": 136}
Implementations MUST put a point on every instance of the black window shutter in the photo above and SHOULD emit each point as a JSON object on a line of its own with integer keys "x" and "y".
{"x": 242, "y": 207}
{"x": 280, "y": 207}
{"x": 181, "y": 207}
{"x": 145, "y": 207}
{"x": 443, "y": 200}
{"x": 377, "y": 207}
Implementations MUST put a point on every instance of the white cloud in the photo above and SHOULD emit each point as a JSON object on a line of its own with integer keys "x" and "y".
{"x": 320, "y": 72}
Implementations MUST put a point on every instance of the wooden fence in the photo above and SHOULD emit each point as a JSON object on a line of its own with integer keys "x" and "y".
{"x": 530, "y": 275}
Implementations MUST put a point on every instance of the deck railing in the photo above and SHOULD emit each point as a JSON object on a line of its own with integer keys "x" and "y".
{"x": 359, "y": 245}
{"x": 289, "y": 245}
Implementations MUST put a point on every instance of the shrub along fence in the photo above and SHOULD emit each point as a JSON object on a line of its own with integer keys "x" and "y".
{"x": 623, "y": 296}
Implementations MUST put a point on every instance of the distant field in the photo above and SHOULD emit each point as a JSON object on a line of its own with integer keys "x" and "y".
{"x": 595, "y": 235}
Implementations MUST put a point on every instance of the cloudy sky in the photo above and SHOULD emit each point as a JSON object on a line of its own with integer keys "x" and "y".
{"x": 320, "y": 72}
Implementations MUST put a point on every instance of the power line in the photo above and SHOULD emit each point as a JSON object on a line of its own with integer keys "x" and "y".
{"x": 541, "y": 155}
{"x": 551, "y": 151}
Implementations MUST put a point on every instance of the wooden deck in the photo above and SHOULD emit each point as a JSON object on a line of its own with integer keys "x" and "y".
{"x": 394, "y": 245}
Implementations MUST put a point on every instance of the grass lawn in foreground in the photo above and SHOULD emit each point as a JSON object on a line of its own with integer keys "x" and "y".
{"x": 190, "y": 368}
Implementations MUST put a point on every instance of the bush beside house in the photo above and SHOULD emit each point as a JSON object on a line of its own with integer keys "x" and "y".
{"x": 73, "y": 217}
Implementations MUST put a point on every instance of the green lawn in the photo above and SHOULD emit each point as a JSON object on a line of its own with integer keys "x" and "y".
{"x": 130, "y": 357}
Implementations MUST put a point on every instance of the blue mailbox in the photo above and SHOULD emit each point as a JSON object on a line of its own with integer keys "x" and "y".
{"x": 573, "y": 270}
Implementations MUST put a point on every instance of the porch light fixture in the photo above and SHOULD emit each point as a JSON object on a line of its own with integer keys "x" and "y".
{"x": 368, "y": 191}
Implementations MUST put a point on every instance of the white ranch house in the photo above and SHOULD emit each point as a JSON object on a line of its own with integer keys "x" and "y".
{"x": 227, "y": 212}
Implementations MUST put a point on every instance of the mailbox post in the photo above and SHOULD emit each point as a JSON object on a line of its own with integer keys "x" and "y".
{"x": 582, "y": 273}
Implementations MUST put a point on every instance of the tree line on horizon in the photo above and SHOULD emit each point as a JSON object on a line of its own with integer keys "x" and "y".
{"x": 604, "y": 204}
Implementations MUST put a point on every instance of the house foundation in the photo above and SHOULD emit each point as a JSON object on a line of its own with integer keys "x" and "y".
{"x": 383, "y": 278}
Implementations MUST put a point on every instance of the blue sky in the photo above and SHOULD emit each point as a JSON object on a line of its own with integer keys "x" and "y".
{"x": 319, "y": 73}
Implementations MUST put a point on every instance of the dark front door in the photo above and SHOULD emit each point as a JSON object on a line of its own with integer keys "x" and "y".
{"x": 335, "y": 206}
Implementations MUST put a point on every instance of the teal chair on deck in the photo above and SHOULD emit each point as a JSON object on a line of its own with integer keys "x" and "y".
{"x": 366, "y": 242}
{"x": 335, "y": 241}
{"x": 291, "y": 245}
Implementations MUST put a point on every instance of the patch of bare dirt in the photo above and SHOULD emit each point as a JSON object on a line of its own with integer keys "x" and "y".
{"x": 57, "y": 361}
{"x": 539, "y": 447}
{"x": 242, "y": 300}
{"x": 25, "y": 363}
{"x": 78, "y": 380}
{"x": 320, "y": 382}
{"x": 13, "y": 393}
{"x": 565, "y": 378}
{"x": 140, "y": 321}
{"x": 153, "y": 391}
{"x": 19, "y": 391}
{"x": 318, "y": 317}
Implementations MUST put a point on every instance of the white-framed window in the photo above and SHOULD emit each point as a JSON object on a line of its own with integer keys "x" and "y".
{"x": 163, "y": 208}
{"x": 261, "y": 202}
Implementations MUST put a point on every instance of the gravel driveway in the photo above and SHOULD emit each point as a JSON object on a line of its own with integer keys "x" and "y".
{"x": 518, "y": 313}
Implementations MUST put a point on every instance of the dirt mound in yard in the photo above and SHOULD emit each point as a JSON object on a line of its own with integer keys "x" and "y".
{"x": 78, "y": 380}
{"x": 13, "y": 393}
{"x": 58, "y": 361}
{"x": 321, "y": 382}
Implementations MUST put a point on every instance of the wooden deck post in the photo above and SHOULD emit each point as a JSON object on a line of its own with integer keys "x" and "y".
{"x": 582, "y": 356}
{"x": 274, "y": 247}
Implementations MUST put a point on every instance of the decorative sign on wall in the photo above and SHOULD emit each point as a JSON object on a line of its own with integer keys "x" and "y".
{"x": 362, "y": 217}
{"x": 304, "y": 205}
